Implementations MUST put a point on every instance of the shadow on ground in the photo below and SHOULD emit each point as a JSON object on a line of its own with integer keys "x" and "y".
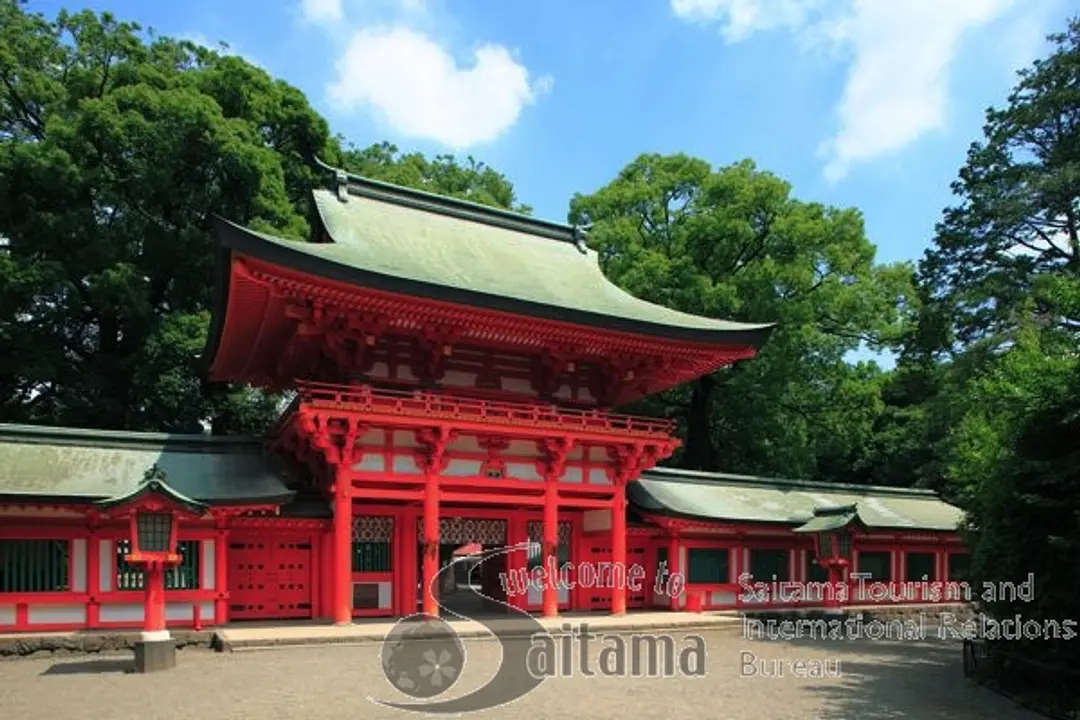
{"x": 894, "y": 684}
{"x": 91, "y": 667}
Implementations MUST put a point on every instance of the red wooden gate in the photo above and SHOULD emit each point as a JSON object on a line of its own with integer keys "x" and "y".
{"x": 270, "y": 577}
{"x": 597, "y": 552}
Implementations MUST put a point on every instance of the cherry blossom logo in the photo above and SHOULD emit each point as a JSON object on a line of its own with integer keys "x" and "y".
{"x": 423, "y": 657}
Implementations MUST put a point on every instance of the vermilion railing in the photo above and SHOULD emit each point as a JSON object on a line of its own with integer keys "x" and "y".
{"x": 366, "y": 399}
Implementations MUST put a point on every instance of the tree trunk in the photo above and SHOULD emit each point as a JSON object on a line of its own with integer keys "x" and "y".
{"x": 700, "y": 453}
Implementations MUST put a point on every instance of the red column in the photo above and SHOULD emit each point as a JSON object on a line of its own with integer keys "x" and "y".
{"x": 410, "y": 542}
{"x": 516, "y": 561}
{"x": 221, "y": 577}
{"x": 93, "y": 578}
{"x": 551, "y": 545}
{"x": 154, "y": 612}
{"x": 673, "y": 569}
{"x": 618, "y": 550}
{"x": 342, "y": 553}
{"x": 431, "y": 543}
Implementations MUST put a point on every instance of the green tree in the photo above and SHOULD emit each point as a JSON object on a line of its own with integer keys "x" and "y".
{"x": 444, "y": 175}
{"x": 994, "y": 354}
{"x": 1014, "y": 461}
{"x": 116, "y": 150}
{"x": 733, "y": 243}
{"x": 1010, "y": 248}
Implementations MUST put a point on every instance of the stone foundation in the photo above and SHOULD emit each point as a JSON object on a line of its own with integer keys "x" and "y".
{"x": 91, "y": 642}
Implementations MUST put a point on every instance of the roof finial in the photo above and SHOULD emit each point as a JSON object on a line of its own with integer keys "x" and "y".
{"x": 341, "y": 180}
{"x": 580, "y": 231}
{"x": 154, "y": 472}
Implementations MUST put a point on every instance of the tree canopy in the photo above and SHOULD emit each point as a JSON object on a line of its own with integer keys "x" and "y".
{"x": 994, "y": 356}
{"x": 116, "y": 150}
{"x": 733, "y": 243}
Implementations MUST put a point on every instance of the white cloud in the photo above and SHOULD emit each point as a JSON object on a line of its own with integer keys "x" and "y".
{"x": 742, "y": 18}
{"x": 900, "y": 51}
{"x": 322, "y": 11}
{"x": 416, "y": 86}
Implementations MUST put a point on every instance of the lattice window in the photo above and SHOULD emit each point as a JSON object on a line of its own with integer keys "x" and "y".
{"x": 183, "y": 576}
{"x": 921, "y": 565}
{"x": 373, "y": 539}
{"x": 34, "y": 566}
{"x": 154, "y": 530}
{"x": 462, "y": 531}
{"x": 769, "y": 565}
{"x": 708, "y": 566}
{"x": 534, "y": 530}
{"x": 877, "y": 565}
{"x": 371, "y": 528}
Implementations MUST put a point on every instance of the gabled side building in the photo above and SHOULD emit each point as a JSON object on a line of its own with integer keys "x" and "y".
{"x": 453, "y": 367}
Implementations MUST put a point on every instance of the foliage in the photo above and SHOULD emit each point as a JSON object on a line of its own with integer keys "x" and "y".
{"x": 732, "y": 243}
{"x": 116, "y": 151}
{"x": 1010, "y": 249}
{"x": 996, "y": 347}
{"x": 1017, "y": 454}
{"x": 444, "y": 175}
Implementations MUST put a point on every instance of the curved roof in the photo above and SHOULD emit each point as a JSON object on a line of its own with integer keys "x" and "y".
{"x": 741, "y": 498}
{"x": 90, "y": 465}
{"x": 411, "y": 242}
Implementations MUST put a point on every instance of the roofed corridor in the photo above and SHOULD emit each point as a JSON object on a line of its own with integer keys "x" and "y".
{"x": 878, "y": 681}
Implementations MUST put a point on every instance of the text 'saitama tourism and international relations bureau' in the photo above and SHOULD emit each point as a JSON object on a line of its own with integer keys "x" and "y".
{"x": 453, "y": 366}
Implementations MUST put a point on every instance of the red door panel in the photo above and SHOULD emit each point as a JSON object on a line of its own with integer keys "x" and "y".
{"x": 270, "y": 577}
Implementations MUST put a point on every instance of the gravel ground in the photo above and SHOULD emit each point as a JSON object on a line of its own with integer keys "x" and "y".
{"x": 876, "y": 681}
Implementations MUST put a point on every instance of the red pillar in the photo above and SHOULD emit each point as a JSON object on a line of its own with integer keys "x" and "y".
{"x": 517, "y": 561}
{"x": 154, "y": 612}
{"x": 93, "y": 578}
{"x": 342, "y": 552}
{"x": 410, "y": 544}
{"x": 221, "y": 577}
{"x": 618, "y": 550}
{"x": 673, "y": 569}
{"x": 551, "y": 545}
{"x": 431, "y": 543}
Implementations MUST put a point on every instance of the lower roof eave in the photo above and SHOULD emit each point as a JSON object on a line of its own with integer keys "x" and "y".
{"x": 665, "y": 513}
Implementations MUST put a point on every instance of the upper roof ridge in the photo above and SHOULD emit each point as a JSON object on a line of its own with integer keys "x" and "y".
{"x": 346, "y": 184}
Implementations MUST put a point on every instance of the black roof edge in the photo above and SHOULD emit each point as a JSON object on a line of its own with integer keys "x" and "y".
{"x": 452, "y": 207}
{"x": 239, "y": 239}
{"x": 219, "y": 301}
{"x": 665, "y": 474}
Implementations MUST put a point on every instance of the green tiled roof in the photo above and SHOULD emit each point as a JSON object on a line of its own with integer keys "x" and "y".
{"x": 154, "y": 481}
{"x": 402, "y": 240}
{"x": 92, "y": 465}
{"x": 830, "y": 518}
{"x": 740, "y": 498}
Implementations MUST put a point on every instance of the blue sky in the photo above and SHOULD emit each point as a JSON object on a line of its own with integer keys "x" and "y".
{"x": 865, "y": 103}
